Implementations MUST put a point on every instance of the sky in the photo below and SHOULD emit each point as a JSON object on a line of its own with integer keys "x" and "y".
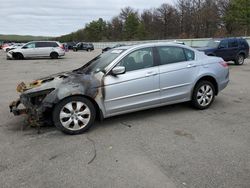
{"x": 58, "y": 17}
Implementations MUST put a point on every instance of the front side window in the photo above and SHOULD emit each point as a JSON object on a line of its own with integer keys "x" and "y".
{"x": 138, "y": 59}
{"x": 171, "y": 54}
{"x": 30, "y": 45}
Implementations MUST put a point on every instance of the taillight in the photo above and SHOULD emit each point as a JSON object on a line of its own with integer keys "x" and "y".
{"x": 224, "y": 64}
{"x": 61, "y": 46}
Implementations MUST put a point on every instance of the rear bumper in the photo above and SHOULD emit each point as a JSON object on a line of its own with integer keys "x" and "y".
{"x": 223, "y": 85}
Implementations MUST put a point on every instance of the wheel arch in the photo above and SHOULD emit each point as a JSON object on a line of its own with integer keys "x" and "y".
{"x": 242, "y": 53}
{"x": 210, "y": 79}
{"x": 15, "y": 54}
{"x": 54, "y": 52}
{"x": 99, "y": 113}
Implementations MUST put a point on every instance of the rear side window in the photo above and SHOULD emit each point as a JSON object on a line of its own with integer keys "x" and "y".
{"x": 232, "y": 43}
{"x": 46, "y": 44}
{"x": 52, "y": 44}
{"x": 171, "y": 54}
{"x": 223, "y": 44}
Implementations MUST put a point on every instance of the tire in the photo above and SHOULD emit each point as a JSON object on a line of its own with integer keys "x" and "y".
{"x": 240, "y": 59}
{"x": 203, "y": 95}
{"x": 74, "y": 115}
{"x": 54, "y": 55}
{"x": 19, "y": 56}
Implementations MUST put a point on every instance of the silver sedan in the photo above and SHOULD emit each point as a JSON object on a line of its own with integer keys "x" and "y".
{"x": 122, "y": 80}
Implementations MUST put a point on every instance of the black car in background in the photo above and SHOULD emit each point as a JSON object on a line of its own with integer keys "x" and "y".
{"x": 230, "y": 49}
{"x": 70, "y": 45}
{"x": 83, "y": 46}
{"x": 109, "y": 48}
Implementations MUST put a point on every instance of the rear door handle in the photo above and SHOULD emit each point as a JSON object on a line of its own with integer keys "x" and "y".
{"x": 151, "y": 73}
{"x": 191, "y": 65}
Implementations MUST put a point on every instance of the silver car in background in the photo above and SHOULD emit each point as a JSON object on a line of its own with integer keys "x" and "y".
{"x": 123, "y": 80}
{"x": 52, "y": 49}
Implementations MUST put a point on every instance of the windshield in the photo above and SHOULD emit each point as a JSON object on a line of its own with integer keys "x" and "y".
{"x": 99, "y": 63}
{"x": 213, "y": 43}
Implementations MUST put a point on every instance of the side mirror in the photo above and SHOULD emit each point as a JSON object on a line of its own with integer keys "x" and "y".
{"x": 221, "y": 47}
{"x": 118, "y": 70}
{"x": 25, "y": 47}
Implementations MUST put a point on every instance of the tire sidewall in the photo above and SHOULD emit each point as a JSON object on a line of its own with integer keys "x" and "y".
{"x": 61, "y": 104}
{"x": 195, "y": 102}
{"x": 19, "y": 56}
{"x": 54, "y": 55}
{"x": 237, "y": 59}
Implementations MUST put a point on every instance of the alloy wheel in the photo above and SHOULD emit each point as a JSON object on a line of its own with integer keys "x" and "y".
{"x": 75, "y": 115}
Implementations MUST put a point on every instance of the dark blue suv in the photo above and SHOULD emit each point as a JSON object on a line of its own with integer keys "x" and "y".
{"x": 230, "y": 49}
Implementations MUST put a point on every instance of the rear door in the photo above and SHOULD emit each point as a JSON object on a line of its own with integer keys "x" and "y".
{"x": 137, "y": 88}
{"x": 223, "y": 50}
{"x": 177, "y": 70}
{"x": 233, "y": 48}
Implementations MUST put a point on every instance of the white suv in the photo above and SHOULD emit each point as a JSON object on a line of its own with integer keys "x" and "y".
{"x": 33, "y": 49}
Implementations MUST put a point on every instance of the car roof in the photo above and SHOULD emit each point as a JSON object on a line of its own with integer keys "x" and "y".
{"x": 227, "y": 38}
{"x": 145, "y": 45}
{"x": 44, "y": 41}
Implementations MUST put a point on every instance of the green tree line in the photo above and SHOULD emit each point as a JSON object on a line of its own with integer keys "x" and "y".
{"x": 185, "y": 19}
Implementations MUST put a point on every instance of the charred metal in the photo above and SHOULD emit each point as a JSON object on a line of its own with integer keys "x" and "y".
{"x": 40, "y": 96}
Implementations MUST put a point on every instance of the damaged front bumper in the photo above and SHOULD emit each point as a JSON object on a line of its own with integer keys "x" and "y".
{"x": 15, "y": 110}
{"x": 35, "y": 114}
{"x": 9, "y": 55}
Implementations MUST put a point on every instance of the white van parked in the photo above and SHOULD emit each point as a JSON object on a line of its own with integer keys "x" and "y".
{"x": 52, "y": 49}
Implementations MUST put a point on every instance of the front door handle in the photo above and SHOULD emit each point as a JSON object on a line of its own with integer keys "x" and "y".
{"x": 191, "y": 65}
{"x": 151, "y": 74}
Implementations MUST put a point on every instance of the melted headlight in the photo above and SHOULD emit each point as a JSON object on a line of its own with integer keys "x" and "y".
{"x": 38, "y": 97}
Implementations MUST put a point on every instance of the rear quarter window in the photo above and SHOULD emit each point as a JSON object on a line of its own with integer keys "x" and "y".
{"x": 190, "y": 55}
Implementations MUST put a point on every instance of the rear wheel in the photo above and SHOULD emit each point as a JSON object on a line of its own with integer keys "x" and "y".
{"x": 203, "y": 95}
{"x": 240, "y": 59}
{"x": 54, "y": 55}
{"x": 74, "y": 115}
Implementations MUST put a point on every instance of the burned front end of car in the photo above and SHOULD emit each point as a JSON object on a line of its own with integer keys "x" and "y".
{"x": 39, "y": 97}
{"x": 33, "y": 103}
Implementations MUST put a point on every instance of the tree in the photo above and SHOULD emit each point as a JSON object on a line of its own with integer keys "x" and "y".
{"x": 238, "y": 16}
{"x": 96, "y": 30}
{"x": 130, "y": 26}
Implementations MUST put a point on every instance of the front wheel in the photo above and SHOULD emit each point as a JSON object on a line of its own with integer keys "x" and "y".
{"x": 74, "y": 115}
{"x": 203, "y": 95}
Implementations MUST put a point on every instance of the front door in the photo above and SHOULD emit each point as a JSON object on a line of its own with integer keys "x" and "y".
{"x": 29, "y": 49}
{"x": 138, "y": 88}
